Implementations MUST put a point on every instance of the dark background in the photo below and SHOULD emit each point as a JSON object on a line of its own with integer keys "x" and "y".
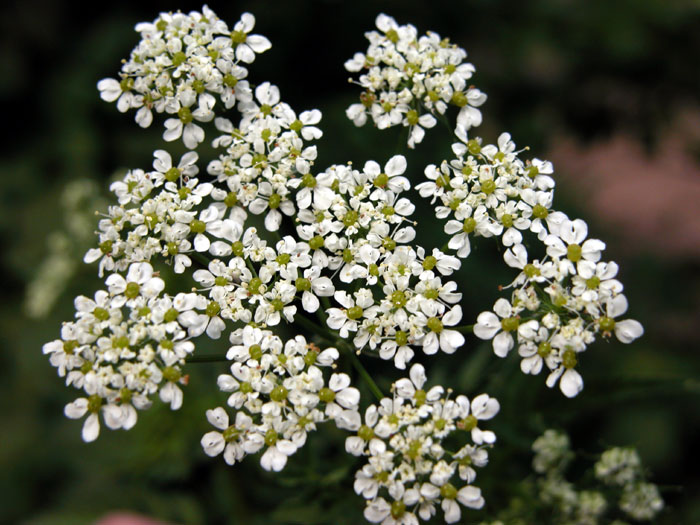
{"x": 608, "y": 90}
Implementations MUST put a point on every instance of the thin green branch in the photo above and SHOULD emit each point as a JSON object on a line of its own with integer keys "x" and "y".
{"x": 357, "y": 364}
{"x": 315, "y": 328}
{"x": 334, "y": 339}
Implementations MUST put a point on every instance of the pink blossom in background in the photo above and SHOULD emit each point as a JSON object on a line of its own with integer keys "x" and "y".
{"x": 652, "y": 196}
{"x": 128, "y": 518}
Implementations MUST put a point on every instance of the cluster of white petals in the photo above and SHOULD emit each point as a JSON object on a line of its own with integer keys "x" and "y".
{"x": 559, "y": 302}
{"x": 408, "y": 80}
{"x": 408, "y": 473}
{"x": 125, "y": 345}
{"x": 272, "y": 246}
{"x": 183, "y": 65}
{"x": 279, "y": 394}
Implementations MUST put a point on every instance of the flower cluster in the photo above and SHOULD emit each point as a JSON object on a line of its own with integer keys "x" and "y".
{"x": 619, "y": 469}
{"x": 279, "y": 394}
{"x": 358, "y": 228}
{"x": 560, "y": 301}
{"x": 268, "y": 240}
{"x": 181, "y": 66}
{"x": 552, "y": 452}
{"x": 408, "y": 473}
{"x": 79, "y": 200}
{"x": 407, "y": 80}
{"x": 125, "y": 345}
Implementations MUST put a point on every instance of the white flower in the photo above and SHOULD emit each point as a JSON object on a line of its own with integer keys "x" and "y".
{"x": 412, "y": 389}
{"x": 397, "y": 349}
{"x": 234, "y": 441}
{"x": 183, "y": 126}
{"x": 389, "y": 179}
{"x": 247, "y": 45}
{"x": 568, "y": 244}
{"x": 276, "y": 202}
{"x": 163, "y": 164}
{"x": 481, "y": 408}
{"x": 139, "y": 281}
{"x": 641, "y": 501}
{"x": 346, "y": 320}
{"x": 339, "y": 395}
{"x": 470, "y": 496}
{"x": 171, "y": 394}
{"x": 111, "y": 90}
{"x": 505, "y": 321}
{"x": 626, "y": 331}
{"x": 209, "y": 321}
{"x": 416, "y": 124}
{"x": 80, "y": 407}
{"x": 437, "y": 336}
{"x": 365, "y": 438}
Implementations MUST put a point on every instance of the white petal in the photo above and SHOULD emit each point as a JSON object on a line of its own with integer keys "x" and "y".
{"x": 571, "y": 383}
{"x": 452, "y": 317}
{"x": 417, "y": 374}
{"x": 396, "y": 165}
{"x": 114, "y": 416}
{"x": 213, "y": 443}
{"x": 309, "y": 302}
{"x": 273, "y": 459}
{"x": 628, "y": 330}
{"x": 487, "y": 324}
{"x": 503, "y": 308}
{"x": 76, "y": 409}
{"x": 218, "y": 418}
{"x": 354, "y": 445}
{"x": 404, "y": 388}
{"x": 144, "y": 117}
{"x": 451, "y": 510}
{"x": 502, "y": 344}
{"x": 470, "y": 496}
{"x": 485, "y": 407}
{"x": 273, "y": 220}
{"x": 617, "y": 306}
{"x": 450, "y": 340}
{"x": 377, "y": 510}
{"x": 91, "y": 428}
{"x": 339, "y": 381}
{"x": 258, "y": 43}
{"x": 348, "y": 398}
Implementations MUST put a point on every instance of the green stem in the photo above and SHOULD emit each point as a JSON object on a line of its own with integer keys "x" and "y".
{"x": 465, "y": 329}
{"x": 200, "y": 259}
{"x": 443, "y": 119}
{"x": 403, "y": 137}
{"x": 251, "y": 267}
{"x": 334, "y": 339}
{"x": 315, "y": 328}
{"x": 364, "y": 374}
{"x": 321, "y": 312}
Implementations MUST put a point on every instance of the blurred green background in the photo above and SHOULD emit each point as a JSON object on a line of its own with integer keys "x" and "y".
{"x": 608, "y": 90}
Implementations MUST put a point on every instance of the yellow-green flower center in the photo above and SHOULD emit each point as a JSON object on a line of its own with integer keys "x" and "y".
{"x": 574, "y": 252}
{"x": 354, "y": 312}
{"x": 569, "y": 359}
{"x": 435, "y": 325}
{"x": 510, "y": 323}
